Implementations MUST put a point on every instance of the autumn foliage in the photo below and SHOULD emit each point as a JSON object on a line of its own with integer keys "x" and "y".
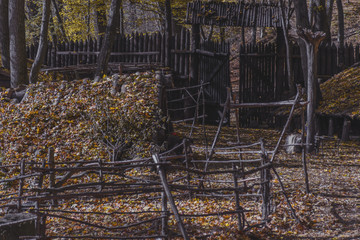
{"x": 80, "y": 119}
{"x": 341, "y": 94}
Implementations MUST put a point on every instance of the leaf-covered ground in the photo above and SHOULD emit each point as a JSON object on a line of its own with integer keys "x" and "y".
{"x": 332, "y": 210}
{"x": 62, "y": 115}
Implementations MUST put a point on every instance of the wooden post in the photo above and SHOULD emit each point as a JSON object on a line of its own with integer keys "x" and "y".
{"x": 237, "y": 200}
{"x": 280, "y": 64}
{"x": 303, "y": 151}
{"x": 167, "y": 191}
{"x": 39, "y": 218}
{"x": 101, "y": 177}
{"x": 187, "y": 161}
{"x": 237, "y": 120}
{"x": 331, "y": 127}
{"x": 226, "y": 108}
{"x": 195, "y": 44}
{"x": 51, "y": 166}
{"x": 345, "y": 136}
{"x": 21, "y": 184}
{"x": 265, "y": 183}
{"x": 165, "y": 215}
{"x": 52, "y": 172}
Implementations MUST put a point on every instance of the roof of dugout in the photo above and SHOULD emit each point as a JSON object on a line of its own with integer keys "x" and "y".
{"x": 225, "y": 14}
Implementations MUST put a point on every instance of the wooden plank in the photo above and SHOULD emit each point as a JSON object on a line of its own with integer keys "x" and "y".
{"x": 176, "y": 56}
{"x": 141, "y": 48}
{"x": 261, "y": 105}
{"x": 146, "y": 47}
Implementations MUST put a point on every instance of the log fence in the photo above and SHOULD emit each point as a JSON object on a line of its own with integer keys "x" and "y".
{"x": 38, "y": 192}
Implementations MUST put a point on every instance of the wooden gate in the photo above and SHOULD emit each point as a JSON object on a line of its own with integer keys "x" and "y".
{"x": 214, "y": 68}
{"x": 258, "y": 82}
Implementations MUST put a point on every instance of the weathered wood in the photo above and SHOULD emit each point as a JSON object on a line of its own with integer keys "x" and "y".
{"x": 232, "y": 14}
{"x": 225, "y": 109}
{"x": 297, "y": 99}
{"x": 195, "y": 44}
{"x": 303, "y": 152}
{"x": 265, "y": 184}
{"x": 345, "y": 136}
{"x": 21, "y": 185}
{"x": 270, "y": 104}
{"x": 241, "y": 221}
{"x": 312, "y": 42}
{"x": 170, "y": 198}
{"x": 331, "y": 127}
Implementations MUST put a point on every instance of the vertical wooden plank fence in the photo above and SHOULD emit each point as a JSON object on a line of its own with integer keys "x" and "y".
{"x": 262, "y": 78}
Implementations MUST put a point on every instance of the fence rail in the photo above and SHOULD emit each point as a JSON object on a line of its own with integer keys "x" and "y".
{"x": 42, "y": 186}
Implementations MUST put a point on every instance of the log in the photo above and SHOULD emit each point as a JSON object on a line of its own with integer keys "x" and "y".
{"x": 170, "y": 197}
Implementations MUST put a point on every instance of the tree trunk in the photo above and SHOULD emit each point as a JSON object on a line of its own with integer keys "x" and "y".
{"x": 18, "y": 68}
{"x": 4, "y": 33}
{"x": 321, "y": 22}
{"x": 302, "y": 20}
{"x": 122, "y": 19}
{"x": 168, "y": 33}
{"x": 109, "y": 40}
{"x": 312, "y": 42}
{"x": 100, "y": 19}
{"x": 341, "y": 33}
{"x": 56, "y": 12}
{"x": 40, "y": 56}
{"x": 290, "y": 75}
{"x": 311, "y": 12}
{"x": 311, "y": 96}
{"x": 329, "y": 12}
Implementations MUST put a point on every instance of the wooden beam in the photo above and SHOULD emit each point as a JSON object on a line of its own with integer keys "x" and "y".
{"x": 270, "y": 104}
{"x": 170, "y": 197}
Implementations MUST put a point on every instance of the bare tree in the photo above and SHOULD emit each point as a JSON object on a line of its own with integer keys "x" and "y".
{"x": 312, "y": 41}
{"x": 113, "y": 19}
{"x": 341, "y": 33}
{"x": 168, "y": 32}
{"x": 322, "y": 11}
{"x": 4, "y": 33}
{"x": 56, "y": 12}
{"x": 18, "y": 69}
{"x": 309, "y": 43}
{"x": 100, "y": 19}
{"x": 285, "y": 15}
{"x": 40, "y": 55}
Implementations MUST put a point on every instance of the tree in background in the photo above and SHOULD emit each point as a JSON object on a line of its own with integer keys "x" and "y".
{"x": 18, "y": 68}
{"x": 4, "y": 33}
{"x": 113, "y": 19}
{"x": 40, "y": 56}
{"x": 309, "y": 43}
{"x": 100, "y": 19}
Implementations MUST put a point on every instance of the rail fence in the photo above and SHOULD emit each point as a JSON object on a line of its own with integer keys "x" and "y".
{"x": 44, "y": 187}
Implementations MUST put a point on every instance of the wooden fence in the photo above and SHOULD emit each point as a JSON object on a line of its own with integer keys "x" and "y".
{"x": 263, "y": 76}
{"x": 48, "y": 184}
{"x": 147, "y": 51}
{"x": 136, "y": 49}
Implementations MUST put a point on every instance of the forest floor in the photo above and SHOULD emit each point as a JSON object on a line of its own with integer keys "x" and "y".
{"x": 331, "y": 210}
